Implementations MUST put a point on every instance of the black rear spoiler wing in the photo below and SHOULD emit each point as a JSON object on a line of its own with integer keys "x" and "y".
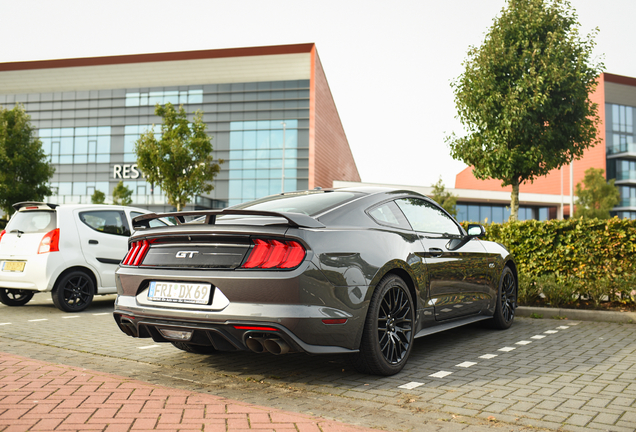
{"x": 294, "y": 219}
{"x": 42, "y": 205}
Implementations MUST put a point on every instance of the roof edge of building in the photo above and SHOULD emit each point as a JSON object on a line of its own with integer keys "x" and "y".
{"x": 159, "y": 57}
{"x": 619, "y": 79}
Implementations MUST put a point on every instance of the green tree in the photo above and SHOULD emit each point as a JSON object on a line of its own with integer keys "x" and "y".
{"x": 24, "y": 168}
{"x": 180, "y": 162}
{"x": 597, "y": 198}
{"x": 444, "y": 198}
{"x": 122, "y": 194}
{"x": 524, "y": 95}
{"x": 98, "y": 197}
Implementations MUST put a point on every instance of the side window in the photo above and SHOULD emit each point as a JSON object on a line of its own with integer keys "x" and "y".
{"x": 106, "y": 221}
{"x": 427, "y": 217}
{"x": 389, "y": 214}
{"x": 153, "y": 223}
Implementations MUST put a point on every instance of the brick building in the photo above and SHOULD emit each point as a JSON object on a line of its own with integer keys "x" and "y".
{"x": 257, "y": 102}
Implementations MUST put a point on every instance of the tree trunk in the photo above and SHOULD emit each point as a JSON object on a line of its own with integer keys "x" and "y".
{"x": 514, "y": 201}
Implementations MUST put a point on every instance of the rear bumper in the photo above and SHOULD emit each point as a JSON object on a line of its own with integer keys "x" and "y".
{"x": 226, "y": 331}
{"x": 219, "y": 328}
{"x": 39, "y": 272}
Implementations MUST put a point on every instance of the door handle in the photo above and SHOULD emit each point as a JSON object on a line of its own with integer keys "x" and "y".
{"x": 93, "y": 242}
{"x": 435, "y": 252}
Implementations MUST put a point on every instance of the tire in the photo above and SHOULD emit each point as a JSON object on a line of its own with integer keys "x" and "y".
{"x": 196, "y": 349}
{"x": 15, "y": 297}
{"x": 73, "y": 292}
{"x": 506, "y": 301}
{"x": 387, "y": 338}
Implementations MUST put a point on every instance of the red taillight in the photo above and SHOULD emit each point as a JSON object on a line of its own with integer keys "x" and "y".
{"x": 259, "y": 254}
{"x": 2, "y": 233}
{"x": 137, "y": 253}
{"x": 334, "y": 321}
{"x": 50, "y": 242}
{"x": 295, "y": 256}
{"x": 245, "y": 327}
{"x": 268, "y": 254}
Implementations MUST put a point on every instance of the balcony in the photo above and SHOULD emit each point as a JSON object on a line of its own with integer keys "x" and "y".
{"x": 626, "y": 175}
{"x": 86, "y": 199}
{"x": 617, "y": 149}
{"x": 627, "y": 202}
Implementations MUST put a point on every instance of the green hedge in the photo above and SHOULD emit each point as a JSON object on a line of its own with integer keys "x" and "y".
{"x": 570, "y": 260}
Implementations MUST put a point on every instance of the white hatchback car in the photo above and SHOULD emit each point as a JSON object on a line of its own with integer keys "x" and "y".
{"x": 69, "y": 250}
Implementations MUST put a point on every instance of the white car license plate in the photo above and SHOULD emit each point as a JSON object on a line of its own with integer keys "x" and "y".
{"x": 13, "y": 266}
{"x": 178, "y": 292}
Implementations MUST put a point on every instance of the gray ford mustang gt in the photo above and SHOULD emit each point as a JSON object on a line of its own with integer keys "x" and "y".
{"x": 357, "y": 270}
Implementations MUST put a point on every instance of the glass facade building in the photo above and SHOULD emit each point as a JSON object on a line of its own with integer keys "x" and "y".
{"x": 265, "y": 109}
{"x": 621, "y": 155}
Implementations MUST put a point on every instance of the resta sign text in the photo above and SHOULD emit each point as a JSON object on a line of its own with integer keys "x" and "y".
{"x": 126, "y": 171}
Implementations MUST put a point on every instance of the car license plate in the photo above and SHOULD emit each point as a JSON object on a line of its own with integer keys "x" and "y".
{"x": 178, "y": 292}
{"x": 13, "y": 266}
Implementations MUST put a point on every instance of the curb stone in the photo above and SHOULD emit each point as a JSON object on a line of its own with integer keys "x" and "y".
{"x": 578, "y": 314}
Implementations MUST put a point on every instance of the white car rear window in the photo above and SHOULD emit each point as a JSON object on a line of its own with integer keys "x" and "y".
{"x": 32, "y": 221}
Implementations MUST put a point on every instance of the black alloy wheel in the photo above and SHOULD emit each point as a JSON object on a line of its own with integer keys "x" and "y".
{"x": 15, "y": 297}
{"x": 388, "y": 333}
{"x": 506, "y": 302}
{"x": 74, "y": 292}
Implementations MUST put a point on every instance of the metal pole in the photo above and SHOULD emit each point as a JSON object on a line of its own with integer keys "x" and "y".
{"x": 572, "y": 189}
{"x": 283, "y": 182}
{"x": 560, "y": 216}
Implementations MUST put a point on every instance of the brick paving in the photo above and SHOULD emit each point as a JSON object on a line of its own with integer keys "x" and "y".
{"x": 541, "y": 373}
{"x": 41, "y": 396}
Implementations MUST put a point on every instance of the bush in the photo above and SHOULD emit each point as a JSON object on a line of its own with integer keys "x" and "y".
{"x": 561, "y": 261}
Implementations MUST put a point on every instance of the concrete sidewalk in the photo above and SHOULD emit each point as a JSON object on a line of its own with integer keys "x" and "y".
{"x": 41, "y": 396}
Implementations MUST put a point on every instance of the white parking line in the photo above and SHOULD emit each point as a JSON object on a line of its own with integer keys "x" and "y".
{"x": 537, "y": 337}
{"x": 36, "y": 320}
{"x": 466, "y": 364}
{"x": 103, "y": 313}
{"x": 440, "y": 374}
{"x": 149, "y": 346}
{"x": 506, "y": 349}
{"x": 488, "y": 356}
{"x": 5, "y": 323}
{"x": 563, "y": 327}
{"x": 551, "y": 331}
{"x": 411, "y": 385}
{"x": 73, "y": 316}
{"x": 523, "y": 342}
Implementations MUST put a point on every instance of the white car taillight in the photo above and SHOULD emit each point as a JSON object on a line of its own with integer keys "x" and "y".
{"x": 50, "y": 242}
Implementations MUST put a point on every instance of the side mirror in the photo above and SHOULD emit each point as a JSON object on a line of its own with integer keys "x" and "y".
{"x": 476, "y": 230}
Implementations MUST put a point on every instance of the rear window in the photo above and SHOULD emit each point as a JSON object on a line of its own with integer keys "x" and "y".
{"x": 32, "y": 221}
{"x": 312, "y": 203}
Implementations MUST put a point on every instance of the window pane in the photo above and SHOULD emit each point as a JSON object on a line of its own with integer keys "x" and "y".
{"x": 426, "y": 217}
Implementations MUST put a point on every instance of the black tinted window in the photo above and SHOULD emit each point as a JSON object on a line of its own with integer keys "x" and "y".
{"x": 427, "y": 217}
{"x": 106, "y": 221}
{"x": 311, "y": 203}
{"x": 34, "y": 221}
{"x": 389, "y": 214}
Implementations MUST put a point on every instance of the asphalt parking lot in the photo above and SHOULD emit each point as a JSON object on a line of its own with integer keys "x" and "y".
{"x": 545, "y": 373}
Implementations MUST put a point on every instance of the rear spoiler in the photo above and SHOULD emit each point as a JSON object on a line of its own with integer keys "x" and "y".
{"x": 294, "y": 219}
{"x": 38, "y": 204}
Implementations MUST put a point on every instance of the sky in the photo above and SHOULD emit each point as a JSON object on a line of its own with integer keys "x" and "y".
{"x": 389, "y": 64}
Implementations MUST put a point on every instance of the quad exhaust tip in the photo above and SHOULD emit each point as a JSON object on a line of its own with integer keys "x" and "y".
{"x": 273, "y": 345}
